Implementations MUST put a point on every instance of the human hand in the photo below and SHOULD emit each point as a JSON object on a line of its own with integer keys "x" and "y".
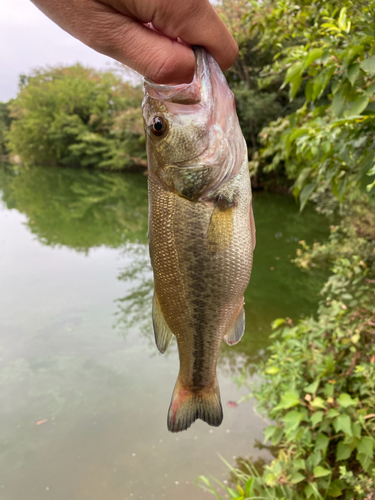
{"x": 117, "y": 29}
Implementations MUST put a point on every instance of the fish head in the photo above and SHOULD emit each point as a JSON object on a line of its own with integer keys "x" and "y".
{"x": 194, "y": 141}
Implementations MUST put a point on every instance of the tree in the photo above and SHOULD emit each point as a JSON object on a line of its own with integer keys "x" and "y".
{"x": 258, "y": 98}
{"x": 4, "y": 126}
{"x": 77, "y": 116}
{"x": 317, "y": 385}
{"x": 329, "y": 140}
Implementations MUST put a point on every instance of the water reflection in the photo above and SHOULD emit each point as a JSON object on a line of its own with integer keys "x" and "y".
{"x": 83, "y": 209}
{"x": 77, "y": 348}
{"x": 135, "y": 307}
{"x": 79, "y": 209}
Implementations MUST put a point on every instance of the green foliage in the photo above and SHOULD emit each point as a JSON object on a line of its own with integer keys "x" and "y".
{"x": 330, "y": 139}
{"x": 318, "y": 384}
{"x": 76, "y": 116}
{"x": 319, "y": 380}
{"x": 258, "y": 98}
{"x": 4, "y": 126}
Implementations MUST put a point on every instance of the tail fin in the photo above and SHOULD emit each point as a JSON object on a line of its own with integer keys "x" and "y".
{"x": 187, "y": 405}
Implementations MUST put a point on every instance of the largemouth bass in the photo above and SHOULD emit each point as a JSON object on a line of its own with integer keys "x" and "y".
{"x": 201, "y": 231}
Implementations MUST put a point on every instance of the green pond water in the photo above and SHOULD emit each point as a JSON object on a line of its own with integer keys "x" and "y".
{"x": 77, "y": 350}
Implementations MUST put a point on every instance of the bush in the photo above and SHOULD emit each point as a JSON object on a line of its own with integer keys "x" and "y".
{"x": 4, "y": 127}
{"x": 76, "y": 116}
{"x": 319, "y": 381}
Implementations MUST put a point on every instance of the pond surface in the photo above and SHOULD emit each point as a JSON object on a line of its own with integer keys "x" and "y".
{"x": 84, "y": 392}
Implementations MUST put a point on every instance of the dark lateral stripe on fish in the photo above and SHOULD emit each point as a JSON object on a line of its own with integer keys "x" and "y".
{"x": 198, "y": 272}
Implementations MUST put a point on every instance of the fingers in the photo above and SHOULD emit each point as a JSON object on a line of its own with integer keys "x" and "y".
{"x": 153, "y": 55}
{"x": 116, "y": 28}
{"x": 194, "y": 21}
{"x": 197, "y": 23}
{"x": 123, "y": 38}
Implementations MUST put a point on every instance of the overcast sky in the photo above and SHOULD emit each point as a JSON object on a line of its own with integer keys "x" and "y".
{"x": 28, "y": 39}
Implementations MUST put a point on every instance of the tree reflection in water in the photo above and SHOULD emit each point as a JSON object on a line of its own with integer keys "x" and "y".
{"x": 135, "y": 307}
{"x": 86, "y": 209}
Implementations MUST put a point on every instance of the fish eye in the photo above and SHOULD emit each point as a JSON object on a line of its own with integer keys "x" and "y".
{"x": 158, "y": 126}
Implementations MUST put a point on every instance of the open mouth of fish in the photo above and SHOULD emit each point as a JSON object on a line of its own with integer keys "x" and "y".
{"x": 185, "y": 93}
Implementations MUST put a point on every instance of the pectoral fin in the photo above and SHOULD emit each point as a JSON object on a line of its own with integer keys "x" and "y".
{"x": 163, "y": 334}
{"x": 237, "y": 329}
{"x": 220, "y": 230}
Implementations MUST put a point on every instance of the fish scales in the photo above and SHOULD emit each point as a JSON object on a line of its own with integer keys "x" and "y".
{"x": 201, "y": 244}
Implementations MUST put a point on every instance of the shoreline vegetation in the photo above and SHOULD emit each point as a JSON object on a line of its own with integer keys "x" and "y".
{"x": 304, "y": 85}
{"x": 317, "y": 390}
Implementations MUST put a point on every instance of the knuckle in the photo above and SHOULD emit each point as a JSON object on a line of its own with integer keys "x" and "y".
{"x": 161, "y": 69}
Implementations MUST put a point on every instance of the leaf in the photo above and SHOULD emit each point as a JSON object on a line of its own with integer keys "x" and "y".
{"x": 312, "y": 388}
{"x": 338, "y": 104}
{"x": 326, "y": 146}
{"x": 292, "y": 420}
{"x": 309, "y": 90}
{"x": 320, "y": 471}
{"x": 210, "y": 487}
{"x": 276, "y": 438}
{"x": 368, "y": 65}
{"x": 343, "y": 451}
{"x": 343, "y": 423}
{"x": 353, "y": 72}
{"x": 297, "y": 477}
{"x": 357, "y": 106}
{"x": 277, "y": 322}
{"x": 370, "y": 89}
{"x": 312, "y": 491}
{"x": 332, "y": 413}
{"x": 356, "y": 429}
{"x": 288, "y": 400}
{"x": 342, "y": 19}
{"x": 295, "y": 84}
{"x": 321, "y": 81}
{"x": 316, "y": 418}
{"x": 305, "y": 194}
{"x": 321, "y": 443}
{"x": 318, "y": 403}
{"x": 294, "y": 71}
{"x": 345, "y": 400}
{"x": 240, "y": 490}
{"x": 272, "y": 370}
{"x": 312, "y": 56}
{"x": 365, "y": 461}
{"x": 299, "y": 463}
{"x": 366, "y": 446}
{"x": 249, "y": 487}
{"x": 314, "y": 459}
{"x": 334, "y": 489}
{"x": 268, "y": 432}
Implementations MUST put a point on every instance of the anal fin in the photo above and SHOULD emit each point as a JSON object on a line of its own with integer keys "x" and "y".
{"x": 237, "y": 329}
{"x": 163, "y": 334}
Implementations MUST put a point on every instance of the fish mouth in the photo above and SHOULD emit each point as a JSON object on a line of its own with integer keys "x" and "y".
{"x": 185, "y": 93}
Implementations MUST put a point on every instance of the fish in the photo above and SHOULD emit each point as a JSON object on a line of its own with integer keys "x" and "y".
{"x": 201, "y": 231}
